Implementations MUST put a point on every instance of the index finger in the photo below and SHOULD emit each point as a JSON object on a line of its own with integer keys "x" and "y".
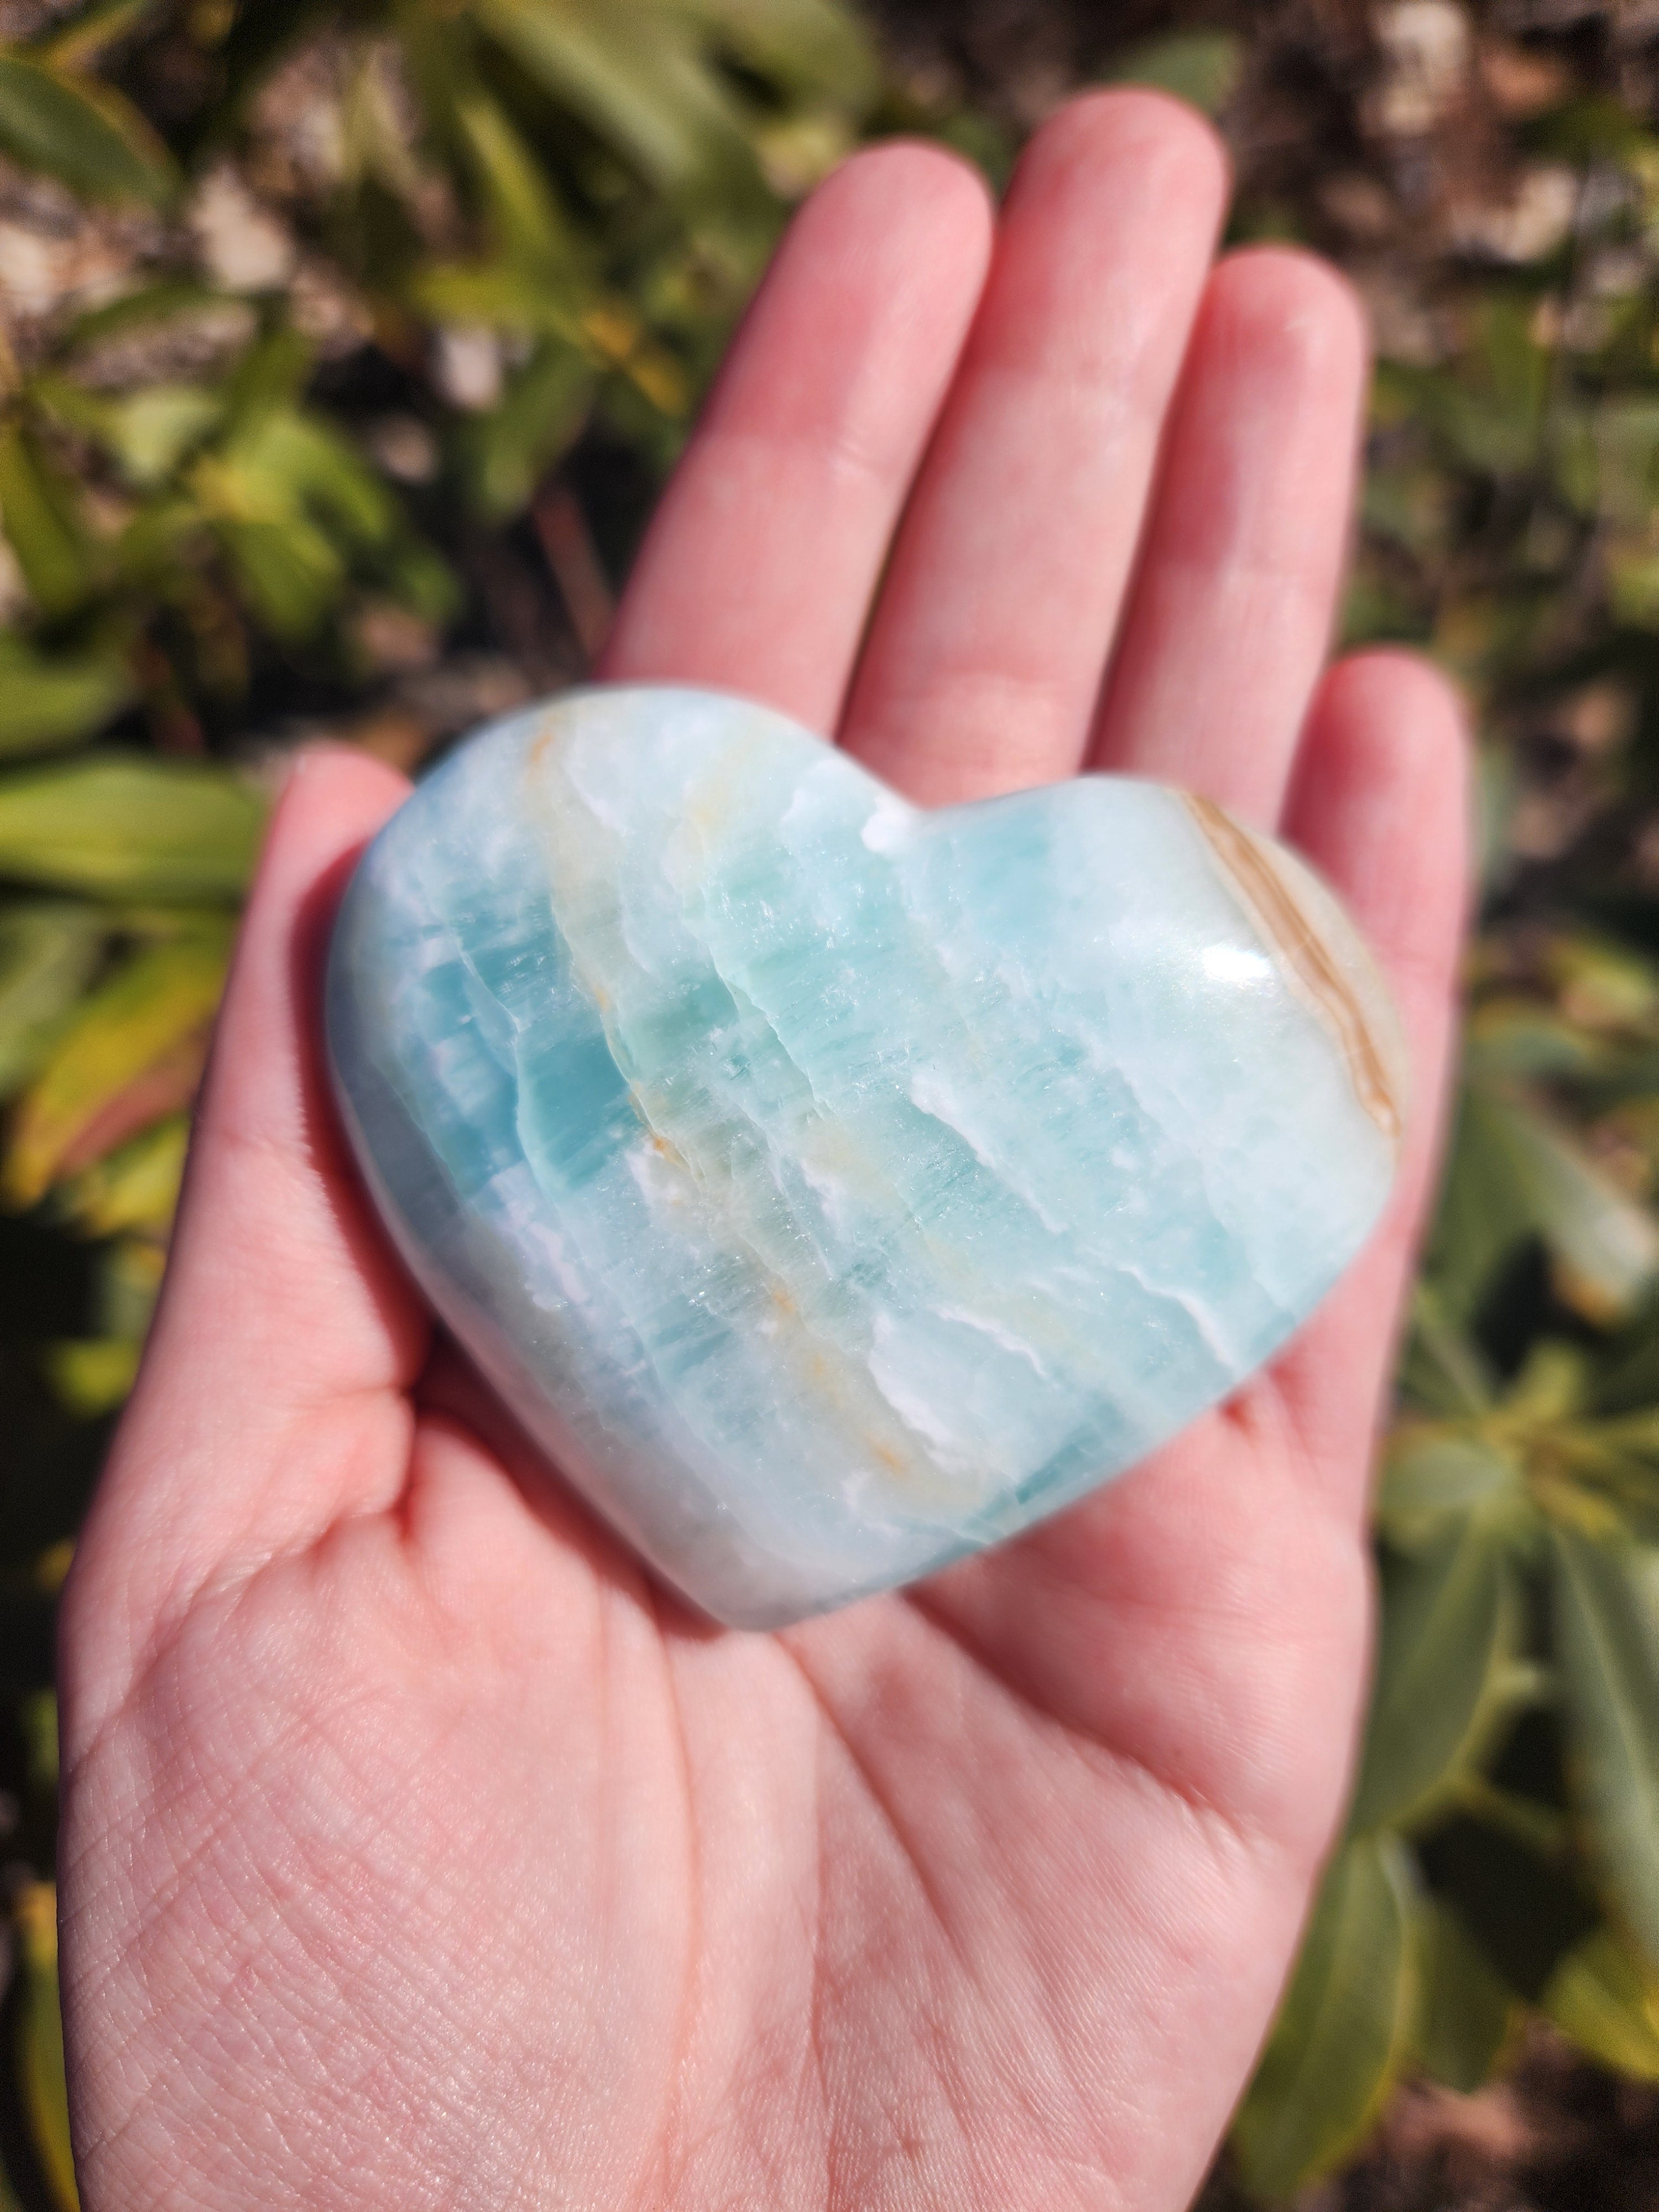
{"x": 758, "y": 572}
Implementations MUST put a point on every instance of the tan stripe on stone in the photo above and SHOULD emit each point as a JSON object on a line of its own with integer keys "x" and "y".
{"x": 1275, "y": 900}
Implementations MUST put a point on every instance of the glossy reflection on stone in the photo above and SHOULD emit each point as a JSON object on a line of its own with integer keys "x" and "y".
{"x": 832, "y": 1188}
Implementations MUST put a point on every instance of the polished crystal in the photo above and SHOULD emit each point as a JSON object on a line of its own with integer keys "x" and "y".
{"x": 830, "y": 1188}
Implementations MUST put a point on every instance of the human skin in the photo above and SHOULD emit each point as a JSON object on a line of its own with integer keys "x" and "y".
{"x": 417, "y": 1853}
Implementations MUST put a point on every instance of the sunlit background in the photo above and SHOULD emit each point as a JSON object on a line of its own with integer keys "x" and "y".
{"x": 342, "y": 347}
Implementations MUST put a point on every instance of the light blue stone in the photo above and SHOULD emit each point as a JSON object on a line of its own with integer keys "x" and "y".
{"x": 832, "y": 1188}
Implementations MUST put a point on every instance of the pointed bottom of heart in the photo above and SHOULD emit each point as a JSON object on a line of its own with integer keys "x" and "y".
{"x": 832, "y": 1188}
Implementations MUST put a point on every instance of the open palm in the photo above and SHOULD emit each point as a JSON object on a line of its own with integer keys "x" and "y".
{"x": 417, "y": 1853}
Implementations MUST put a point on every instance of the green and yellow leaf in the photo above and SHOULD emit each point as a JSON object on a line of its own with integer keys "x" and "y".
{"x": 80, "y": 131}
{"x": 38, "y": 514}
{"x": 51, "y": 700}
{"x": 132, "y": 1055}
{"x": 1604, "y": 1998}
{"x": 131, "y": 828}
{"x": 135, "y": 1186}
{"x": 48, "y": 952}
{"x": 40, "y": 2043}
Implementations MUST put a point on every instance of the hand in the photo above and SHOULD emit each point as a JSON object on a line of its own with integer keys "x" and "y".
{"x": 419, "y": 1853}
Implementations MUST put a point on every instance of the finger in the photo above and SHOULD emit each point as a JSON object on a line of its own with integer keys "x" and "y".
{"x": 1380, "y": 805}
{"x": 985, "y": 656}
{"x": 282, "y": 1303}
{"x": 758, "y": 572}
{"x": 1230, "y": 616}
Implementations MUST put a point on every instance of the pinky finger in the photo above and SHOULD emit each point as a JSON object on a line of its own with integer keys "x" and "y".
{"x": 1380, "y": 805}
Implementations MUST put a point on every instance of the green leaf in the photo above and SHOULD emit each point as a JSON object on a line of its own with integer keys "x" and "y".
{"x": 151, "y": 432}
{"x": 1600, "y": 1995}
{"x": 148, "y": 431}
{"x": 421, "y": 579}
{"x": 38, "y": 512}
{"x": 1520, "y": 1037}
{"x": 91, "y": 1376}
{"x": 129, "y": 1278}
{"x": 501, "y": 294}
{"x": 292, "y": 501}
{"x": 1441, "y": 1371}
{"x": 1514, "y": 1173}
{"x": 37, "y": 1723}
{"x": 1575, "y": 461}
{"x": 1201, "y": 67}
{"x": 1465, "y": 2011}
{"x": 153, "y": 307}
{"x": 528, "y": 220}
{"x": 1496, "y": 794}
{"x": 1552, "y": 1385}
{"x": 1409, "y": 505}
{"x": 158, "y": 552}
{"x": 81, "y": 42}
{"x": 1492, "y": 412}
{"x": 1343, "y": 2029}
{"x": 47, "y": 954}
{"x": 82, "y": 133}
{"x": 1629, "y": 1380}
{"x": 377, "y": 139}
{"x": 40, "y": 2043}
{"x": 1612, "y": 1471}
{"x": 1633, "y": 586}
{"x": 1607, "y": 1628}
{"x": 1595, "y": 126}
{"x": 643, "y": 87}
{"x": 1450, "y": 1626}
{"x": 289, "y": 573}
{"x": 133, "y": 1052}
{"x": 134, "y": 1187}
{"x": 272, "y": 374}
{"x": 299, "y": 462}
{"x": 508, "y": 451}
{"x": 1431, "y": 1481}
{"x": 131, "y": 828}
{"x": 1482, "y": 1215}
{"x": 812, "y": 48}
{"x": 1627, "y": 434}
{"x": 48, "y": 700}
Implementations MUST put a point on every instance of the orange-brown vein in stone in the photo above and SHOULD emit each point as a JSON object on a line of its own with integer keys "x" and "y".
{"x": 1306, "y": 954}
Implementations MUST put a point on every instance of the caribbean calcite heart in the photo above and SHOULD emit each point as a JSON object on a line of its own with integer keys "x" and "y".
{"x": 830, "y": 1188}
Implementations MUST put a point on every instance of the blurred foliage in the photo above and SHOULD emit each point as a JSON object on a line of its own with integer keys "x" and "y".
{"x": 302, "y": 309}
{"x": 1502, "y": 1853}
{"x": 341, "y": 346}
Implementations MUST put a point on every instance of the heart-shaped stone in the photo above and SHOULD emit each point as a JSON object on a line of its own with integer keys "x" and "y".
{"x": 831, "y": 1188}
